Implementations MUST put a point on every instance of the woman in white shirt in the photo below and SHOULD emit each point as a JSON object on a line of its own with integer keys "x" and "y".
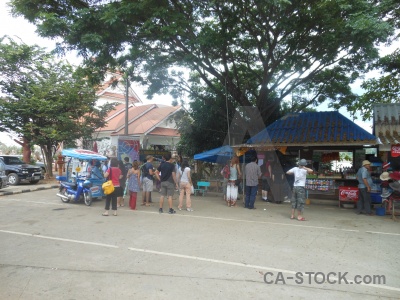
{"x": 185, "y": 185}
{"x": 232, "y": 189}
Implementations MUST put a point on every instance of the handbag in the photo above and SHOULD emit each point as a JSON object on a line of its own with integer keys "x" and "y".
{"x": 108, "y": 186}
{"x": 192, "y": 189}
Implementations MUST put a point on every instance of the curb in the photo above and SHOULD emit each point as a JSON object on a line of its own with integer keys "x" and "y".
{"x": 29, "y": 190}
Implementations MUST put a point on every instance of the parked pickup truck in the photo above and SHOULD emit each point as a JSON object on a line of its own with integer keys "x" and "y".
{"x": 3, "y": 176}
{"x": 18, "y": 171}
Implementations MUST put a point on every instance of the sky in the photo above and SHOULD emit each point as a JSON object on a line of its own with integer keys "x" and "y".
{"x": 20, "y": 28}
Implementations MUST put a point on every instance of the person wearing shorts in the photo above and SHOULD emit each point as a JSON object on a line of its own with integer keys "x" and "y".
{"x": 147, "y": 179}
{"x": 168, "y": 182}
{"x": 299, "y": 188}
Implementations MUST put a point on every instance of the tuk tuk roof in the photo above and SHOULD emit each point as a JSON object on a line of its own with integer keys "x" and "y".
{"x": 83, "y": 154}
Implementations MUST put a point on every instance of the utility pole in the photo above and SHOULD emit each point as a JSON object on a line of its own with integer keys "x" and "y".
{"x": 126, "y": 104}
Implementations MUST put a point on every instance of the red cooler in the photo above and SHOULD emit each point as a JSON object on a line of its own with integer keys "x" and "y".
{"x": 348, "y": 194}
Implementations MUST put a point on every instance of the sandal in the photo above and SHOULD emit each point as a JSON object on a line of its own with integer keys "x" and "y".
{"x": 301, "y": 219}
{"x": 292, "y": 217}
{"x": 105, "y": 214}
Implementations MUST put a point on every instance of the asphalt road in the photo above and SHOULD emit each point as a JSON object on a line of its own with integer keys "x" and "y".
{"x": 53, "y": 250}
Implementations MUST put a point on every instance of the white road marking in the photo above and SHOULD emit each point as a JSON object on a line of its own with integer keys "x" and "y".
{"x": 292, "y": 223}
{"x": 252, "y": 221}
{"x": 35, "y": 202}
{"x": 378, "y": 232}
{"x": 210, "y": 260}
{"x": 58, "y": 239}
{"x": 264, "y": 268}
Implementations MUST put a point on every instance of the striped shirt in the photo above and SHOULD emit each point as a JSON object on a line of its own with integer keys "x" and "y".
{"x": 253, "y": 172}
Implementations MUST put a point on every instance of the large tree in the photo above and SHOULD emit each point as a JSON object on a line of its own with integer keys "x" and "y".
{"x": 260, "y": 51}
{"x": 44, "y": 101}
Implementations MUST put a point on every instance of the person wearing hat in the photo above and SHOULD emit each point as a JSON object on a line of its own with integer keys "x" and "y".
{"x": 299, "y": 188}
{"x": 364, "y": 187}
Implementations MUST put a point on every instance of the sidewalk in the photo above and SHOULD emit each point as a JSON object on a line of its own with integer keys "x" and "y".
{"x": 27, "y": 187}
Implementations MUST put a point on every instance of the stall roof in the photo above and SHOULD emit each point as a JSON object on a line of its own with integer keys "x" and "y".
{"x": 329, "y": 128}
{"x": 387, "y": 122}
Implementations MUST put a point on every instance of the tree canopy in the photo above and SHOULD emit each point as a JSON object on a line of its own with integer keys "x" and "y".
{"x": 44, "y": 101}
{"x": 263, "y": 52}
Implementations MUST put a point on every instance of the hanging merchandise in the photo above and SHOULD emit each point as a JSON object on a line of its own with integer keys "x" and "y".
{"x": 328, "y": 157}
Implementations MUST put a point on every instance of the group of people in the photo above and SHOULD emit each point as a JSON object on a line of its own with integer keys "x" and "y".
{"x": 127, "y": 177}
{"x": 272, "y": 177}
{"x": 131, "y": 177}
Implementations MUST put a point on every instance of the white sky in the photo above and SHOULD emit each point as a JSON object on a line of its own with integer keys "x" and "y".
{"x": 20, "y": 28}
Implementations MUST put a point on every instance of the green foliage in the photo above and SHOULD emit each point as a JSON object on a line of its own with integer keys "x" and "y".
{"x": 384, "y": 89}
{"x": 261, "y": 51}
{"x": 46, "y": 102}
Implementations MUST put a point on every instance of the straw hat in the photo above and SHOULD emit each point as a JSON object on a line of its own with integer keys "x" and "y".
{"x": 384, "y": 176}
{"x": 366, "y": 162}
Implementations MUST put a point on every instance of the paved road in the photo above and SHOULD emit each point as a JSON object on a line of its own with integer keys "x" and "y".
{"x": 53, "y": 250}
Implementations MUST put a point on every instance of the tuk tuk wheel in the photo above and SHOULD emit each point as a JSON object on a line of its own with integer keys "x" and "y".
{"x": 87, "y": 197}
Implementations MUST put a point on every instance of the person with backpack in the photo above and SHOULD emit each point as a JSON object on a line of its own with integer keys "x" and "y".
{"x": 147, "y": 181}
{"x": 127, "y": 164}
{"x": 168, "y": 182}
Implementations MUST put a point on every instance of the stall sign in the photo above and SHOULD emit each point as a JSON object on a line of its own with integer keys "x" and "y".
{"x": 395, "y": 150}
{"x": 347, "y": 193}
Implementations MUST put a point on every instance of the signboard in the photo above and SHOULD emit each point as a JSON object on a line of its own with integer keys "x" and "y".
{"x": 128, "y": 148}
{"x": 347, "y": 193}
{"x": 395, "y": 150}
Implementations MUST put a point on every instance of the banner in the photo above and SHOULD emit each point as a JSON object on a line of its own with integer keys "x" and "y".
{"x": 128, "y": 148}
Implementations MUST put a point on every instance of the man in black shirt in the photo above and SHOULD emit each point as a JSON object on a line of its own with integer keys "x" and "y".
{"x": 168, "y": 182}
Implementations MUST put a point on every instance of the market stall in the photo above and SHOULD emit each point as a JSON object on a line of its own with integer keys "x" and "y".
{"x": 320, "y": 138}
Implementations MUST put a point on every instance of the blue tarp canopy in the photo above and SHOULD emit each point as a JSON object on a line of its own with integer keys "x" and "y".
{"x": 218, "y": 155}
{"x": 222, "y": 154}
{"x": 83, "y": 154}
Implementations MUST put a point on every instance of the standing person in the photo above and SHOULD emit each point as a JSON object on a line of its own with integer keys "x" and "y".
{"x": 147, "y": 172}
{"x": 253, "y": 173}
{"x": 299, "y": 188}
{"x": 225, "y": 173}
{"x": 277, "y": 182}
{"x": 105, "y": 165}
{"x": 266, "y": 170}
{"x": 178, "y": 162}
{"x": 168, "y": 182}
{"x": 232, "y": 189}
{"x": 127, "y": 164}
{"x": 185, "y": 185}
{"x": 120, "y": 198}
{"x": 115, "y": 175}
{"x": 364, "y": 187}
{"x": 133, "y": 184}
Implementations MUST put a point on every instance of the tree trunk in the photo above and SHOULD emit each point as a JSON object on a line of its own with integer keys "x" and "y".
{"x": 26, "y": 150}
{"x": 48, "y": 160}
